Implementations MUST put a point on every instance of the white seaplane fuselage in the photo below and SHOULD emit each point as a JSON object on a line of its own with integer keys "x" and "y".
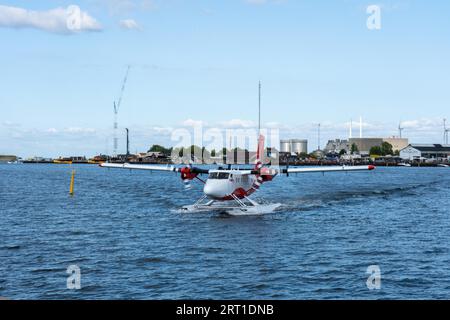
{"x": 221, "y": 184}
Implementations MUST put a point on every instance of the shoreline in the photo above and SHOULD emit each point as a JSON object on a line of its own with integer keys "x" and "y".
{"x": 294, "y": 164}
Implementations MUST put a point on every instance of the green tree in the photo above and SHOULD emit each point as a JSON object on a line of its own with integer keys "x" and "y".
{"x": 213, "y": 152}
{"x": 354, "y": 148}
{"x": 158, "y": 148}
{"x": 342, "y": 152}
{"x": 376, "y": 150}
{"x": 386, "y": 148}
{"x": 303, "y": 155}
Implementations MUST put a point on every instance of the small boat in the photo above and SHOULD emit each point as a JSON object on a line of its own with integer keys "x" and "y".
{"x": 402, "y": 164}
{"x": 91, "y": 161}
{"x": 63, "y": 161}
{"x": 442, "y": 165}
{"x": 98, "y": 159}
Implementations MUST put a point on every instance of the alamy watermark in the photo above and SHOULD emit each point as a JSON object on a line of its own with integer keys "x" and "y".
{"x": 73, "y": 18}
{"x": 374, "y": 19}
{"x": 230, "y": 146}
{"x": 374, "y": 280}
{"x": 74, "y": 278}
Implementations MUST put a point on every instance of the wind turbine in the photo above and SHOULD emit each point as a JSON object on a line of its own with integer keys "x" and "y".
{"x": 400, "y": 129}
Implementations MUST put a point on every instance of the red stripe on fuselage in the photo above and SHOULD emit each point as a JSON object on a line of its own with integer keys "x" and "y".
{"x": 240, "y": 193}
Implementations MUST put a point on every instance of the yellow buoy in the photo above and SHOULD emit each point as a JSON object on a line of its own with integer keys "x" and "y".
{"x": 72, "y": 180}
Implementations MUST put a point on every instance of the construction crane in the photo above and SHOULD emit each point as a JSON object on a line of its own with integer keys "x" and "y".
{"x": 446, "y": 130}
{"x": 116, "y": 111}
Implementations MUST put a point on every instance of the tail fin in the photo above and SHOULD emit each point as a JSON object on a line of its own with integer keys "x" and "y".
{"x": 260, "y": 152}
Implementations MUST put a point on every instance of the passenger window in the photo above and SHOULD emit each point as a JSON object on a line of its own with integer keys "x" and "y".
{"x": 223, "y": 175}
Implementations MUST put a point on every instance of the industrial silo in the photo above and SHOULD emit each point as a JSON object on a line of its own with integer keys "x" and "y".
{"x": 285, "y": 146}
{"x": 299, "y": 146}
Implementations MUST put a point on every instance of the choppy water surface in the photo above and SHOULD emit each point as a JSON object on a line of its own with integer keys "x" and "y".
{"x": 124, "y": 232}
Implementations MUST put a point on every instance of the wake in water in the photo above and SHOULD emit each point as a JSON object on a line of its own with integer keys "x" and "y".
{"x": 314, "y": 201}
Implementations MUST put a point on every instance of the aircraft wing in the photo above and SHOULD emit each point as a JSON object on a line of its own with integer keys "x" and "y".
{"x": 151, "y": 167}
{"x": 328, "y": 169}
{"x": 138, "y": 167}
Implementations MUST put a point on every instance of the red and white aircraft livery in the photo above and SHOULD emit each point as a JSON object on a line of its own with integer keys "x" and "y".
{"x": 229, "y": 189}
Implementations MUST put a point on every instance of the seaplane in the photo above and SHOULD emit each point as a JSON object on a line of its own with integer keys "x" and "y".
{"x": 228, "y": 190}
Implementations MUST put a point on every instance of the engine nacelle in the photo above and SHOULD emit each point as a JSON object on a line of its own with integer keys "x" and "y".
{"x": 187, "y": 174}
{"x": 267, "y": 174}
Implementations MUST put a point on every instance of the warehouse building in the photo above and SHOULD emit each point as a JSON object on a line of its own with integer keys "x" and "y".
{"x": 397, "y": 143}
{"x": 365, "y": 144}
{"x": 425, "y": 151}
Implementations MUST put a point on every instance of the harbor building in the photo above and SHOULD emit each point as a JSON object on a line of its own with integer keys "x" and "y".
{"x": 8, "y": 158}
{"x": 335, "y": 146}
{"x": 365, "y": 144}
{"x": 397, "y": 143}
{"x": 425, "y": 151}
{"x": 294, "y": 146}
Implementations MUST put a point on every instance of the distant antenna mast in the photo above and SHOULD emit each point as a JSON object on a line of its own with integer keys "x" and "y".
{"x": 445, "y": 132}
{"x": 116, "y": 111}
{"x": 400, "y": 129}
{"x": 128, "y": 142}
{"x": 360, "y": 127}
{"x": 350, "y": 134}
{"x": 318, "y": 137}
{"x": 259, "y": 108}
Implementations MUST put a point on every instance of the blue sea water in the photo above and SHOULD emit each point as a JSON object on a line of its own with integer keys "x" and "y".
{"x": 123, "y": 230}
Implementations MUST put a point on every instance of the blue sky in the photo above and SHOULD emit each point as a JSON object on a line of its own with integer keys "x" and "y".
{"x": 201, "y": 60}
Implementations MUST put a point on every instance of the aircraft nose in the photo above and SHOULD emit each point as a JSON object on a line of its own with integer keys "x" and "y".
{"x": 208, "y": 189}
{"x": 211, "y": 191}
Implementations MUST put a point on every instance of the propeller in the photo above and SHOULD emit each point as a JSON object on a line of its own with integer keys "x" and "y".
{"x": 189, "y": 173}
{"x": 187, "y": 176}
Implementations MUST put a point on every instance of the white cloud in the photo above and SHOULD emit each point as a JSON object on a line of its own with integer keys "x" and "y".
{"x": 163, "y": 130}
{"x": 70, "y": 140}
{"x": 60, "y": 20}
{"x": 237, "y": 123}
{"x": 52, "y": 130}
{"x": 79, "y": 130}
{"x": 129, "y": 24}
{"x": 424, "y": 125}
{"x": 193, "y": 123}
{"x": 10, "y": 124}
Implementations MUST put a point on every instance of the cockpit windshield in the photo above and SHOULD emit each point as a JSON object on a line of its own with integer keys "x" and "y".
{"x": 219, "y": 175}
